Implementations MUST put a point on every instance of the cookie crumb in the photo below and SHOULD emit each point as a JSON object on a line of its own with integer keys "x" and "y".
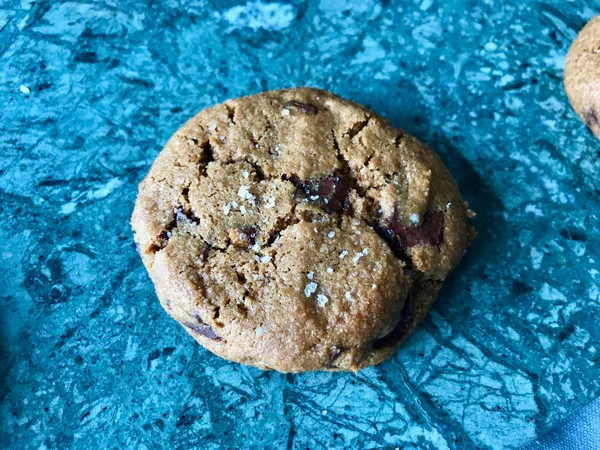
{"x": 310, "y": 289}
{"x": 321, "y": 300}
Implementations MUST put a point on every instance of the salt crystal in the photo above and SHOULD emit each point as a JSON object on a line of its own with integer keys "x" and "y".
{"x": 329, "y": 270}
{"x": 310, "y": 289}
{"x": 285, "y": 112}
{"x": 24, "y": 89}
{"x": 226, "y": 208}
{"x": 331, "y": 234}
{"x": 349, "y": 297}
{"x": 414, "y": 218}
{"x": 265, "y": 259}
{"x": 343, "y": 254}
{"x": 243, "y": 209}
{"x": 259, "y": 331}
{"x": 321, "y": 300}
{"x": 310, "y": 275}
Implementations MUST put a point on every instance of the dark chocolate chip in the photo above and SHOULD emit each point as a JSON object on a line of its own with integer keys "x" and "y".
{"x": 306, "y": 108}
{"x": 331, "y": 192}
{"x": 243, "y": 237}
{"x": 400, "y": 238}
{"x": 204, "y": 329}
{"x": 401, "y": 328}
{"x": 204, "y": 254}
{"x": 334, "y": 353}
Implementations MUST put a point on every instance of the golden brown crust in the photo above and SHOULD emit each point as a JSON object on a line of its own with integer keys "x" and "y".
{"x": 293, "y": 230}
{"x": 582, "y": 75}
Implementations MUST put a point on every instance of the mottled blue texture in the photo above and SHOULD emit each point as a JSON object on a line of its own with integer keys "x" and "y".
{"x": 89, "y": 93}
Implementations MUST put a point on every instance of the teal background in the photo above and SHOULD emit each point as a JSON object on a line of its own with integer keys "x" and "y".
{"x": 89, "y": 359}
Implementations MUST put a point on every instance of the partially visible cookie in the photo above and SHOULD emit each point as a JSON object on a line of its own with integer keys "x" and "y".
{"x": 293, "y": 230}
{"x": 582, "y": 75}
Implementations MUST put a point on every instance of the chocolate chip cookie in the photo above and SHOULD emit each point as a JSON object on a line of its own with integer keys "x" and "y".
{"x": 582, "y": 75}
{"x": 294, "y": 230}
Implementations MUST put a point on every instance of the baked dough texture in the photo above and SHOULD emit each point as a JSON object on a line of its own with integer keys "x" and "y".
{"x": 582, "y": 75}
{"x": 294, "y": 230}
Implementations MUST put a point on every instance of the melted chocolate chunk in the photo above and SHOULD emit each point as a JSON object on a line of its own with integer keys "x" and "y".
{"x": 204, "y": 254}
{"x": 203, "y": 329}
{"x": 306, "y": 108}
{"x": 330, "y": 193}
{"x": 401, "y": 328}
{"x": 243, "y": 237}
{"x": 400, "y": 238}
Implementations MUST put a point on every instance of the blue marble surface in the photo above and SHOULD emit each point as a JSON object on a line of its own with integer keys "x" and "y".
{"x": 89, "y": 93}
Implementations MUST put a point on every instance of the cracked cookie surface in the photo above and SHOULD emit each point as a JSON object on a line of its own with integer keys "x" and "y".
{"x": 582, "y": 75}
{"x": 294, "y": 230}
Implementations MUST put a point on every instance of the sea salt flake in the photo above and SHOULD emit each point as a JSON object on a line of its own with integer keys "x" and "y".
{"x": 329, "y": 270}
{"x": 270, "y": 203}
{"x": 226, "y": 208}
{"x": 349, "y": 297}
{"x": 310, "y": 289}
{"x": 310, "y": 275}
{"x": 357, "y": 257}
{"x": 265, "y": 259}
{"x": 331, "y": 234}
{"x": 256, "y": 248}
{"x": 243, "y": 209}
{"x": 244, "y": 193}
{"x": 321, "y": 300}
{"x": 285, "y": 112}
{"x": 414, "y": 218}
{"x": 245, "y": 174}
{"x": 373, "y": 286}
{"x": 260, "y": 331}
{"x": 24, "y": 89}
